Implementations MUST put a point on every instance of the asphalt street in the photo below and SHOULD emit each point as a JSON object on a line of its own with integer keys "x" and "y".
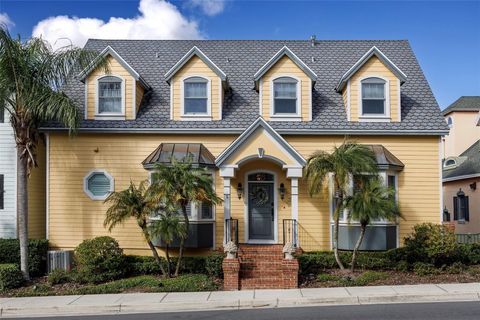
{"x": 420, "y": 311}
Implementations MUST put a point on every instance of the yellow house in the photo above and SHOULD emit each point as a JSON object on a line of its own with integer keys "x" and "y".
{"x": 252, "y": 112}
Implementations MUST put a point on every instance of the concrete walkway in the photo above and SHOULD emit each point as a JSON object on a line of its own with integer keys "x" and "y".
{"x": 231, "y": 300}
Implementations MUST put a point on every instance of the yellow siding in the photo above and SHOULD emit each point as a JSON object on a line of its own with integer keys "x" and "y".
{"x": 285, "y": 67}
{"x": 196, "y": 67}
{"x": 374, "y": 68}
{"x": 116, "y": 69}
{"x": 36, "y": 197}
{"x": 138, "y": 95}
{"x": 74, "y": 217}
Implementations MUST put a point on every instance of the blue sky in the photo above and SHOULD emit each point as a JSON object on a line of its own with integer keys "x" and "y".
{"x": 445, "y": 35}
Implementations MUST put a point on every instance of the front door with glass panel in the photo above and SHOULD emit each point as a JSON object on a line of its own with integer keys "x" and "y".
{"x": 261, "y": 207}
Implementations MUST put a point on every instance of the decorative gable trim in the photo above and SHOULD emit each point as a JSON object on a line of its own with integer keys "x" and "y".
{"x": 109, "y": 51}
{"x": 285, "y": 51}
{"x": 374, "y": 51}
{"x": 260, "y": 122}
{"x": 194, "y": 52}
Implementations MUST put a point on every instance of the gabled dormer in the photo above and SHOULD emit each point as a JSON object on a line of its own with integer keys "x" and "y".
{"x": 285, "y": 85}
{"x": 113, "y": 95}
{"x": 197, "y": 87}
{"x": 371, "y": 89}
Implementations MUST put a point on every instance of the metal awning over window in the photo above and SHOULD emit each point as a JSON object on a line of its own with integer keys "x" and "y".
{"x": 385, "y": 159}
{"x": 196, "y": 153}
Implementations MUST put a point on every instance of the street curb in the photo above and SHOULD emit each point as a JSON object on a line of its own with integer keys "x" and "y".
{"x": 234, "y": 304}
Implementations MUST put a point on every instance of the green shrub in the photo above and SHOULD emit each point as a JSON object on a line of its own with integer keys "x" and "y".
{"x": 468, "y": 253}
{"x": 326, "y": 277}
{"x": 59, "y": 276}
{"x": 37, "y": 254}
{"x": 316, "y": 262}
{"x": 99, "y": 259}
{"x": 143, "y": 265}
{"x": 431, "y": 243}
{"x": 10, "y": 276}
{"x": 455, "y": 268}
{"x": 424, "y": 269}
{"x": 402, "y": 266}
{"x": 195, "y": 264}
{"x": 374, "y": 261}
{"x": 369, "y": 277}
{"x": 213, "y": 265}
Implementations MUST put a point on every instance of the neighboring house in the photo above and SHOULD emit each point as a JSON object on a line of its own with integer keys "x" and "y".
{"x": 252, "y": 112}
{"x": 463, "y": 118}
{"x": 461, "y": 177}
{"x": 8, "y": 186}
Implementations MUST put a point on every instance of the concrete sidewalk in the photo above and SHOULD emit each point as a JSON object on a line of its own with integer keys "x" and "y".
{"x": 232, "y": 300}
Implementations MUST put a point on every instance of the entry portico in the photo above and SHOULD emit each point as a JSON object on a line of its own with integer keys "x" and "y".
{"x": 260, "y": 165}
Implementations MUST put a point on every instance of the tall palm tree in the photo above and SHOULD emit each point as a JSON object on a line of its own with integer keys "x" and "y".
{"x": 135, "y": 202}
{"x": 371, "y": 200}
{"x": 32, "y": 76}
{"x": 182, "y": 183}
{"x": 347, "y": 160}
{"x": 168, "y": 227}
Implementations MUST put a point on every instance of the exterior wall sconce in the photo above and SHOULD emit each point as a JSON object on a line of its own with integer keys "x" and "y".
{"x": 446, "y": 215}
{"x": 239, "y": 190}
{"x": 282, "y": 191}
{"x": 473, "y": 186}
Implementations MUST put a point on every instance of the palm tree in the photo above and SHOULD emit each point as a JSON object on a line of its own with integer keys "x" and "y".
{"x": 371, "y": 200}
{"x": 345, "y": 161}
{"x": 182, "y": 183}
{"x": 135, "y": 202}
{"x": 168, "y": 227}
{"x": 32, "y": 76}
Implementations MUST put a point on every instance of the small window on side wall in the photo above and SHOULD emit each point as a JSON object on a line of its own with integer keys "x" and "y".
{"x": 98, "y": 185}
{"x": 449, "y": 121}
{"x": 373, "y": 97}
{"x": 110, "y": 95}
{"x": 195, "y": 96}
{"x": 285, "y": 96}
{"x": 2, "y": 114}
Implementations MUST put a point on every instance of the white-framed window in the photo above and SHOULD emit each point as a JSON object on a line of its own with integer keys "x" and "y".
{"x": 450, "y": 122}
{"x": 285, "y": 97}
{"x": 196, "y": 97}
{"x": 450, "y": 163}
{"x": 110, "y": 96}
{"x": 374, "y": 97}
{"x": 98, "y": 184}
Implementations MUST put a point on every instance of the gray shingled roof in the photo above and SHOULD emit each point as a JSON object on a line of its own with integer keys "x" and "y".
{"x": 464, "y": 103}
{"x": 241, "y": 59}
{"x": 470, "y": 166}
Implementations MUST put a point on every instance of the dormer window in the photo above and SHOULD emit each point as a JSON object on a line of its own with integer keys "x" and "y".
{"x": 373, "y": 97}
{"x": 285, "y": 96}
{"x": 110, "y": 96}
{"x": 450, "y": 163}
{"x": 196, "y": 100}
{"x": 449, "y": 121}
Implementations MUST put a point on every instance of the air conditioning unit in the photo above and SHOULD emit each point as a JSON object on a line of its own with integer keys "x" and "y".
{"x": 59, "y": 259}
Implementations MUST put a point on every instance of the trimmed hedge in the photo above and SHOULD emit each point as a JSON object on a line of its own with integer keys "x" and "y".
{"x": 37, "y": 253}
{"x": 146, "y": 265}
{"x": 10, "y": 276}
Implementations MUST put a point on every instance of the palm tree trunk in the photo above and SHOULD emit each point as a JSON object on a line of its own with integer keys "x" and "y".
{"x": 169, "y": 272}
{"x": 22, "y": 209}
{"x": 335, "y": 235}
{"x": 363, "y": 228}
{"x": 156, "y": 256}
{"x": 182, "y": 241}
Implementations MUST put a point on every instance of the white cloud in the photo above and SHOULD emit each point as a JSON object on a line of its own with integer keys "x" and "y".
{"x": 158, "y": 19}
{"x": 209, "y": 7}
{"x": 5, "y": 20}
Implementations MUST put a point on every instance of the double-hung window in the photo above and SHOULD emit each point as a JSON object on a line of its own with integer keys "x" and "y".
{"x": 285, "y": 96}
{"x": 195, "y": 96}
{"x": 373, "y": 97}
{"x": 110, "y": 95}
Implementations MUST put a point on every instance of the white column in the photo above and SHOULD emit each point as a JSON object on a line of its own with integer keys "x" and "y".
{"x": 294, "y": 200}
{"x": 226, "y": 208}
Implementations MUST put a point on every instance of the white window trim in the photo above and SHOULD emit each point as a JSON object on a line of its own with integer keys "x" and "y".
{"x": 89, "y": 175}
{"x": 275, "y": 209}
{"x": 109, "y": 115}
{"x": 386, "y": 117}
{"x": 286, "y": 116}
{"x": 446, "y": 120}
{"x": 201, "y": 116}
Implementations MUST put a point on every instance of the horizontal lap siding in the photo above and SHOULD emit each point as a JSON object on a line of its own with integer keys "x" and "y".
{"x": 37, "y": 197}
{"x": 75, "y": 217}
{"x": 286, "y": 67}
{"x": 196, "y": 67}
{"x": 374, "y": 67}
{"x": 8, "y": 159}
